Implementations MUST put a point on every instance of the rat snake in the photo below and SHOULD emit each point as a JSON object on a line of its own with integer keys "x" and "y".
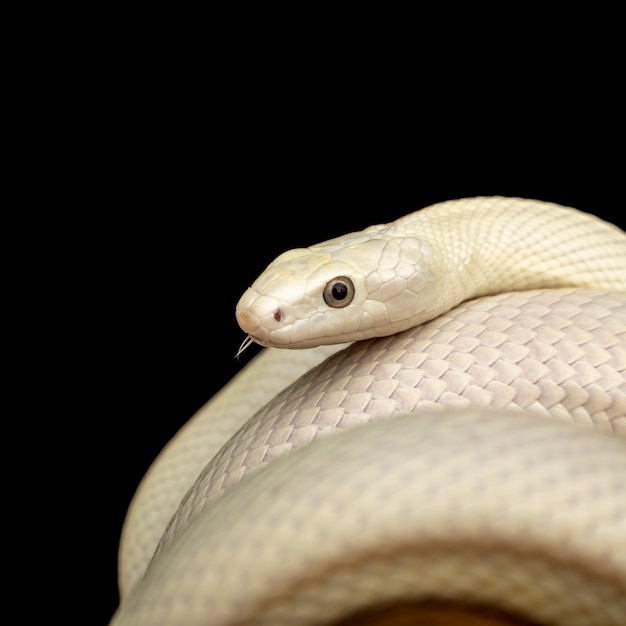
{"x": 477, "y": 464}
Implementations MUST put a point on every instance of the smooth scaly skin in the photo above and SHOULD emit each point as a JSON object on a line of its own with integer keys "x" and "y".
{"x": 573, "y": 249}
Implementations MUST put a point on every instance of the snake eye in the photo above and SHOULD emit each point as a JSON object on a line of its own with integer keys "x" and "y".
{"x": 339, "y": 292}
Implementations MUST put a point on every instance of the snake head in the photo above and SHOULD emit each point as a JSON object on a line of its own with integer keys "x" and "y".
{"x": 350, "y": 288}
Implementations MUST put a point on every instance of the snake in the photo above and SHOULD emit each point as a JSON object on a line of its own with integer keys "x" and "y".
{"x": 433, "y": 433}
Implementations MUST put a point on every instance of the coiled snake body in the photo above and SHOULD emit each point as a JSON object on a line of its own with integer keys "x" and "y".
{"x": 477, "y": 464}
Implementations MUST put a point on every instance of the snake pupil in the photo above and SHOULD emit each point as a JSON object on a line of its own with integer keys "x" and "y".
{"x": 340, "y": 291}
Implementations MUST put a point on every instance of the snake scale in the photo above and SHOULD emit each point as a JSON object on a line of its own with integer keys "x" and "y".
{"x": 447, "y": 447}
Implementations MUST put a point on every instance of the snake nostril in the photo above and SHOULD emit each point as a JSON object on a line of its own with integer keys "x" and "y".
{"x": 278, "y": 315}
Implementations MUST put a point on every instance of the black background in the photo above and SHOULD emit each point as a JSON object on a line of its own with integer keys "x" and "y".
{"x": 188, "y": 175}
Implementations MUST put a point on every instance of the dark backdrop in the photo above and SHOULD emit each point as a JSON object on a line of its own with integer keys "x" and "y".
{"x": 162, "y": 159}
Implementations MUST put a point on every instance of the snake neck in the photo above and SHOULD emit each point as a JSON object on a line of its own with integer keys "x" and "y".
{"x": 489, "y": 245}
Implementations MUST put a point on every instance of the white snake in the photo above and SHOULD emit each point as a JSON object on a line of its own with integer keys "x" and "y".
{"x": 458, "y": 499}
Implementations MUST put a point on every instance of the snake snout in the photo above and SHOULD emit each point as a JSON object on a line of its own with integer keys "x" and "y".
{"x": 248, "y": 321}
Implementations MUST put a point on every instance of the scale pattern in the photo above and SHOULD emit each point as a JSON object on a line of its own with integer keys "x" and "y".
{"x": 557, "y": 353}
{"x": 456, "y": 505}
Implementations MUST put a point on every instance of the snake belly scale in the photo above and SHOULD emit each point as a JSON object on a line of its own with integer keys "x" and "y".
{"x": 465, "y": 453}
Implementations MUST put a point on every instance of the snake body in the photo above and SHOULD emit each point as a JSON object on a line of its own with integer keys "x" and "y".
{"x": 477, "y": 456}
